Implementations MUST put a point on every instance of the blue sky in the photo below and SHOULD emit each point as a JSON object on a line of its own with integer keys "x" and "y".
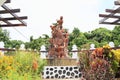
{"x": 83, "y": 14}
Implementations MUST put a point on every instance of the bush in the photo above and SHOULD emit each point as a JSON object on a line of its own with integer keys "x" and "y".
{"x": 100, "y": 64}
{"x": 22, "y": 66}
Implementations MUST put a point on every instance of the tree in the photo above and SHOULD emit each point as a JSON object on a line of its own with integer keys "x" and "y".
{"x": 75, "y": 33}
{"x": 4, "y": 35}
{"x": 80, "y": 40}
{"x": 116, "y": 35}
{"x": 101, "y": 35}
{"x": 31, "y": 38}
{"x": 16, "y": 44}
{"x": 34, "y": 44}
{"x": 27, "y": 45}
{"x": 76, "y": 37}
{"x": 46, "y": 39}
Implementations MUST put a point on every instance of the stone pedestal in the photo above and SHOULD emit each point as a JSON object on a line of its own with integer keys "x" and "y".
{"x": 61, "y": 62}
{"x": 61, "y": 72}
{"x": 60, "y": 65}
{"x": 61, "y": 69}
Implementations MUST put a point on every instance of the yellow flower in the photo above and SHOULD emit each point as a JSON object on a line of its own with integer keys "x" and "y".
{"x": 117, "y": 54}
{"x": 106, "y": 46}
{"x": 8, "y": 68}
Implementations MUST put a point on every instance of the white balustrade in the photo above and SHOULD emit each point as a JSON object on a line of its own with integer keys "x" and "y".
{"x": 22, "y": 47}
{"x": 111, "y": 44}
{"x": 43, "y": 54}
{"x": 1, "y": 44}
{"x": 92, "y": 46}
{"x": 74, "y": 54}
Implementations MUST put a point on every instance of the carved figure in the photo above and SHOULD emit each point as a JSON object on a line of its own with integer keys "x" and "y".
{"x": 59, "y": 40}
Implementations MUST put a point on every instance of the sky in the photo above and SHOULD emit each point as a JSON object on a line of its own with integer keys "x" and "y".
{"x": 83, "y": 14}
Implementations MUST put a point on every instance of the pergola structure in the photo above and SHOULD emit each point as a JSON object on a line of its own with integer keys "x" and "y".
{"x": 113, "y": 18}
{"x": 7, "y": 21}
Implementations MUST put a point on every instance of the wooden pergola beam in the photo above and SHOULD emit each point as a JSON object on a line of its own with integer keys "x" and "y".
{"x": 108, "y": 16}
{"x": 102, "y": 20}
{"x": 11, "y": 25}
{"x": 112, "y": 11}
{"x": 111, "y": 23}
{"x": 7, "y": 22}
{"x": 116, "y": 21}
{"x": 14, "y": 15}
{"x": 13, "y": 18}
{"x": 12, "y": 10}
{"x": 8, "y": 1}
{"x": 116, "y": 3}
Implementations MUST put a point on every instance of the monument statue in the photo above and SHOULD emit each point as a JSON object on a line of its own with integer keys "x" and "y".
{"x": 59, "y": 40}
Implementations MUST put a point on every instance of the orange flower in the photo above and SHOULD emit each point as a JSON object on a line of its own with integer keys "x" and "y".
{"x": 35, "y": 65}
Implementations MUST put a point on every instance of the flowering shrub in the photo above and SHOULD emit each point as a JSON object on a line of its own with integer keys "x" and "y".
{"x": 22, "y": 66}
{"x": 101, "y": 64}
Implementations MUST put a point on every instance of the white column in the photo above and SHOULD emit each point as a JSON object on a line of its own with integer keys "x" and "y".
{"x": 74, "y": 54}
{"x": 111, "y": 44}
{"x": 22, "y": 47}
{"x": 92, "y": 46}
{"x": 1, "y": 46}
{"x": 43, "y": 54}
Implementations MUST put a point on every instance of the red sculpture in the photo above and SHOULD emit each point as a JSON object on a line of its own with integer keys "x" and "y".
{"x": 59, "y": 40}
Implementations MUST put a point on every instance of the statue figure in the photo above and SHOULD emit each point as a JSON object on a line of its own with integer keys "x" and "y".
{"x": 59, "y": 40}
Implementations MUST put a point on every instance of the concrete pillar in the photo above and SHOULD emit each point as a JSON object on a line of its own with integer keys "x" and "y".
{"x": 43, "y": 54}
{"x": 92, "y": 46}
{"x": 74, "y": 54}
{"x": 22, "y": 47}
{"x": 111, "y": 44}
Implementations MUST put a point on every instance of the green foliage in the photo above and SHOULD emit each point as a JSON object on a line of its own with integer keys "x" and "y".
{"x": 21, "y": 66}
{"x": 34, "y": 44}
{"x": 76, "y": 32}
{"x": 103, "y": 43}
{"x": 27, "y": 45}
{"x": 76, "y": 37}
{"x": 13, "y": 44}
{"x": 4, "y": 35}
{"x": 116, "y": 35}
{"x": 101, "y": 34}
{"x": 99, "y": 37}
{"x": 46, "y": 41}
